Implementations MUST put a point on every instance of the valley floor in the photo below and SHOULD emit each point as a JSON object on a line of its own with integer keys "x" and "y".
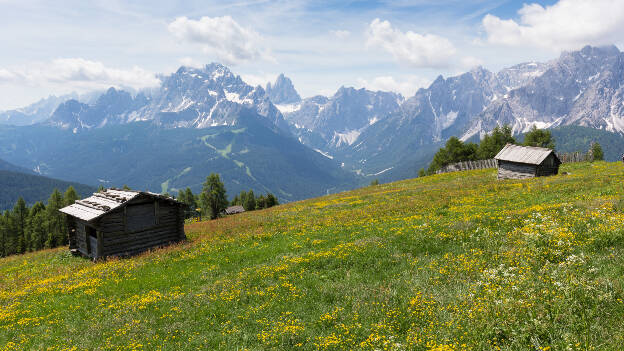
{"x": 446, "y": 262}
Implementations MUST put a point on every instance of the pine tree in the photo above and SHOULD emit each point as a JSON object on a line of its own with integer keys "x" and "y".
{"x": 250, "y": 201}
{"x": 37, "y": 226}
{"x": 20, "y": 216}
{"x": 57, "y": 233}
{"x": 261, "y": 202}
{"x": 10, "y": 231}
{"x": 70, "y": 196}
{"x": 271, "y": 200}
{"x": 213, "y": 197}
{"x": 191, "y": 199}
{"x": 3, "y": 236}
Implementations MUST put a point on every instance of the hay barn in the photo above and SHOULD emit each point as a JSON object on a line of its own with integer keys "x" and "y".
{"x": 519, "y": 162}
{"x": 234, "y": 210}
{"x": 119, "y": 223}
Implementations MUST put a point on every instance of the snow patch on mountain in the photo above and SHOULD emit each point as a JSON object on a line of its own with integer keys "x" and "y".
{"x": 346, "y": 137}
{"x": 288, "y": 108}
{"x": 324, "y": 154}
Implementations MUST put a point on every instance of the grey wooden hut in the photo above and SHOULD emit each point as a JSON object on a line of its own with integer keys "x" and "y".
{"x": 518, "y": 162}
{"x": 234, "y": 210}
{"x": 116, "y": 222}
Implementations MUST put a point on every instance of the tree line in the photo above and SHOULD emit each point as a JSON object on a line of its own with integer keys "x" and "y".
{"x": 212, "y": 200}
{"x": 42, "y": 226}
{"x": 457, "y": 151}
{"x": 25, "y": 229}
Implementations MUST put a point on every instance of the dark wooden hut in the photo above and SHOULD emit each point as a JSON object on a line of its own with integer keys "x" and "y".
{"x": 119, "y": 223}
{"x": 518, "y": 162}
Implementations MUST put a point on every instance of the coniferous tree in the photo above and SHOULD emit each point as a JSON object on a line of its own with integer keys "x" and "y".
{"x": 250, "y": 201}
{"x": 271, "y": 200}
{"x": 10, "y": 230}
{"x": 56, "y": 221}
{"x": 261, "y": 202}
{"x": 70, "y": 196}
{"x": 188, "y": 198}
{"x": 3, "y": 236}
{"x": 235, "y": 201}
{"x": 37, "y": 226}
{"x": 20, "y": 216}
{"x": 213, "y": 197}
{"x": 181, "y": 196}
{"x": 191, "y": 199}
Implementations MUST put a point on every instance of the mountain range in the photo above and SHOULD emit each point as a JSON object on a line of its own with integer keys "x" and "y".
{"x": 208, "y": 119}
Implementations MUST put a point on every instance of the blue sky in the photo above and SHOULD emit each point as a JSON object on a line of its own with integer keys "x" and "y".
{"x": 400, "y": 45}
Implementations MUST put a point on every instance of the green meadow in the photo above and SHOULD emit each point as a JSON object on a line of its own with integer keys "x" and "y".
{"x": 457, "y": 261}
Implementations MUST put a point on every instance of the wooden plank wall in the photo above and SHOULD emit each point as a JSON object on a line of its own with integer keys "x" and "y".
{"x": 81, "y": 244}
{"x": 117, "y": 241}
{"x": 512, "y": 170}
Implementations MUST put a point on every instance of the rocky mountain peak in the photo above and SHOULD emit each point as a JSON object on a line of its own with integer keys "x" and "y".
{"x": 282, "y": 91}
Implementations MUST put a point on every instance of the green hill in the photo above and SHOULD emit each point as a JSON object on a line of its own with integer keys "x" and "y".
{"x": 33, "y": 188}
{"x": 446, "y": 262}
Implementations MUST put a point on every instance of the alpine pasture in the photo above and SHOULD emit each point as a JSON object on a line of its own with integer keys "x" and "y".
{"x": 446, "y": 262}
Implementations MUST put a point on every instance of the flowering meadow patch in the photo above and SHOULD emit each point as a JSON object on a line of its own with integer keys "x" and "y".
{"x": 457, "y": 261}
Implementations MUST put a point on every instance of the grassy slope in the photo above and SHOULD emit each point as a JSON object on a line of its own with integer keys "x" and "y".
{"x": 451, "y": 261}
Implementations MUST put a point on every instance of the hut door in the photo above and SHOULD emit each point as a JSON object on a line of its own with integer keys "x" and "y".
{"x": 91, "y": 240}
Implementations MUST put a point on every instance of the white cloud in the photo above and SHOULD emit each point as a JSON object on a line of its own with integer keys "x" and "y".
{"x": 80, "y": 74}
{"x": 340, "y": 34}
{"x": 406, "y": 87}
{"x": 469, "y": 62}
{"x": 221, "y": 36}
{"x": 190, "y": 62}
{"x": 6, "y": 75}
{"x": 259, "y": 79}
{"x": 568, "y": 24}
{"x": 413, "y": 49}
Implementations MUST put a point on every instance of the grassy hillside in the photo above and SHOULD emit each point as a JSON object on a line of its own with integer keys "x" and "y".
{"x": 33, "y": 188}
{"x": 447, "y": 262}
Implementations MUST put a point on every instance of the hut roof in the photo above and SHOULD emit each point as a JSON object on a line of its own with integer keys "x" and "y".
{"x": 524, "y": 154}
{"x": 234, "y": 209}
{"x": 106, "y": 201}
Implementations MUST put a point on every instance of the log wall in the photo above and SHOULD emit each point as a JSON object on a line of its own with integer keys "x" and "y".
{"x": 513, "y": 170}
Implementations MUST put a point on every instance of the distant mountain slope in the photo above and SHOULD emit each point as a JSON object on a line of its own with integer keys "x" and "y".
{"x": 581, "y": 88}
{"x": 33, "y": 188}
{"x": 336, "y": 122}
{"x": 248, "y": 155}
{"x": 575, "y": 138}
{"x": 6, "y": 166}
{"x": 34, "y": 113}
